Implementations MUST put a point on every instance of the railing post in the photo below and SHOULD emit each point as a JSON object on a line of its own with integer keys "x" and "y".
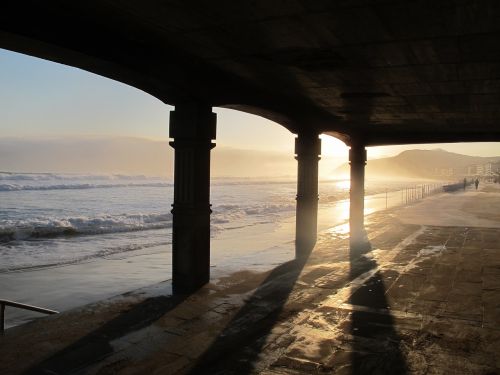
{"x": 2, "y": 317}
{"x": 4, "y": 303}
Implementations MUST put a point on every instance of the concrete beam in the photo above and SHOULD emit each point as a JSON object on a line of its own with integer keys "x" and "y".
{"x": 192, "y": 127}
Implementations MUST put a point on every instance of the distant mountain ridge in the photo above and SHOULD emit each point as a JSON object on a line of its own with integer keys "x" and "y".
{"x": 131, "y": 156}
{"x": 435, "y": 163}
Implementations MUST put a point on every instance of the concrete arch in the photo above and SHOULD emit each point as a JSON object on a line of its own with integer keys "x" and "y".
{"x": 290, "y": 117}
{"x": 305, "y": 67}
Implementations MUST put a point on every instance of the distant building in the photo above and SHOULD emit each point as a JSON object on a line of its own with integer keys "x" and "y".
{"x": 483, "y": 170}
{"x": 492, "y": 168}
{"x": 471, "y": 170}
{"x": 448, "y": 172}
{"x": 480, "y": 169}
{"x": 441, "y": 171}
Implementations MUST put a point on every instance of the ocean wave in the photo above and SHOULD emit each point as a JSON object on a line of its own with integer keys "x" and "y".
{"x": 105, "y": 224}
{"x": 262, "y": 209}
{"x": 15, "y": 176}
{"x": 333, "y": 198}
{"x": 228, "y": 213}
{"x": 17, "y": 187}
{"x": 39, "y": 228}
{"x": 58, "y": 259}
{"x": 269, "y": 209}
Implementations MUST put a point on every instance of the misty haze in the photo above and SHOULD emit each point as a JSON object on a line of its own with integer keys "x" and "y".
{"x": 246, "y": 188}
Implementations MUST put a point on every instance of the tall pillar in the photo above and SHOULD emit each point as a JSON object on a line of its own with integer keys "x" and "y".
{"x": 192, "y": 127}
{"x": 357, "y": 160}
{"x": 307, "y": 153}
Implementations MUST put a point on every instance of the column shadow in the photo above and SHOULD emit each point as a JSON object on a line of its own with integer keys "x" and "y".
{"x": 96, "y": 345}
{"x": 376, "y": 344}
{"x": 239, "y": 344}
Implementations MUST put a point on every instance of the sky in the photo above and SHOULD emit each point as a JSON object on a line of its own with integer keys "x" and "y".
{"x": 44, "y": 100}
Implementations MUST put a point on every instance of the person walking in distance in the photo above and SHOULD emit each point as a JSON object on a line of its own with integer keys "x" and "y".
{"x": 476, "y": 183}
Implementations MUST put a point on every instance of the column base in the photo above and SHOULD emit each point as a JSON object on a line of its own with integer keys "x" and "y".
{"x": 359, "y": 242}
{"x": 184, "y": 287}
{"x": 304, "y": 248}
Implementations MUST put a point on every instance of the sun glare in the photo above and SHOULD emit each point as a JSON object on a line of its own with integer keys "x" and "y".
{"x": 343, "y": 184}
{"x": 331, "y": 146}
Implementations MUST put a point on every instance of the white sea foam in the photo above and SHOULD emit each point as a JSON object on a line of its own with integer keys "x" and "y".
{"x": 32, "y": 260}
{"x": 50, "y": 227}
{"x": 226, "y": 212}
{"x": 17, "y": 187}
{"x": 105, "y": 224}
{"x": 12, "y": 176}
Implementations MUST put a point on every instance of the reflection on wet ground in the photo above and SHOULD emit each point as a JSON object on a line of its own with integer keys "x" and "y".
{"x": 371, "y": 318}
{"x": 419, "y": 299}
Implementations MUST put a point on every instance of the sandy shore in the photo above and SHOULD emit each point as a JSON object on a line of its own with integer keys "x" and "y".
{"x": 66, "y": 287}
{"x": 422, "y": 299}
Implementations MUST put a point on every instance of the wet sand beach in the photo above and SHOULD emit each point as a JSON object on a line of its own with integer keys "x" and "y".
{"x": 423, "y": 298}
{"x": 68, "y": 286}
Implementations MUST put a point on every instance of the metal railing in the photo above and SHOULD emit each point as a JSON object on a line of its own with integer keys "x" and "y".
{"x": 4, "y": 303}
{"x": 414, "y": 193}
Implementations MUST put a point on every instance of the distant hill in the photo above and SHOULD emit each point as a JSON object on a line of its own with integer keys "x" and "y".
{"x": 436, "y": 163}
{"x": 134, "y": 156}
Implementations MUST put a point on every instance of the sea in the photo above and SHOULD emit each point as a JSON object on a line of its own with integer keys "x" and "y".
{"x": 71, "y": 239}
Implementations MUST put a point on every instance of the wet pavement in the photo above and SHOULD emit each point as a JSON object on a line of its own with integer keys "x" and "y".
{"x": 420, "y": 299}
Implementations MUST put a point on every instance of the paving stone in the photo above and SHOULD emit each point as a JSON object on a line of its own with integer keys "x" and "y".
{"x": 312, "y": 346}
{"x": 490, "y": 281}
{"x": 423, "y": 309}
{"x": 427, "y": 307}
{"x": 468, "y": 276}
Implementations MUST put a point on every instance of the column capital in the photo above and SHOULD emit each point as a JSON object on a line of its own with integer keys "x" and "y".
{"x": 357, "y": 153}
{"x": 307, "y": 145}
{"x": 192, "y": 121}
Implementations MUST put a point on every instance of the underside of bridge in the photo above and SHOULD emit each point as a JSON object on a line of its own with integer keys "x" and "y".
{"x": 389, "y": 71}
{"x": 369, "y": 72}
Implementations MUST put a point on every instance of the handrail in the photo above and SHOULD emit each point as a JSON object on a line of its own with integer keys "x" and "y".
{"x": 5, "y": 302}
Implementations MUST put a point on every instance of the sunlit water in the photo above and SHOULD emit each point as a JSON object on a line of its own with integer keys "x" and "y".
{"x": 70, "y": 239}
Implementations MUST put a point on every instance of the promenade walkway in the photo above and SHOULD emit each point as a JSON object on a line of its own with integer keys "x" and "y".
{"x": 423, "y": 298}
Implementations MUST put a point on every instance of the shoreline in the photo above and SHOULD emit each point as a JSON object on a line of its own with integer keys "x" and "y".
{"x": 407, "y": 289}
{"x": 102, "y": 278}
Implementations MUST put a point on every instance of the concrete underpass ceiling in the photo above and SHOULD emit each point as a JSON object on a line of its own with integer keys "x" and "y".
{"x": 386, "y": 72}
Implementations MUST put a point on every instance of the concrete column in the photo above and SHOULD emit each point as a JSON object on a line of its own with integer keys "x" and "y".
{"x": 357, "y": 160}
{"x": 307, "y": 153}
{"x": 192, "y": 127}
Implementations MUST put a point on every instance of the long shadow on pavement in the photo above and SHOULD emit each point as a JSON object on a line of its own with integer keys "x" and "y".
{"x": 239, "y": 344}
{"x": 375, "y": 347}
{"x": 376, "y": 344}
{"x": 96, "y": 345}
